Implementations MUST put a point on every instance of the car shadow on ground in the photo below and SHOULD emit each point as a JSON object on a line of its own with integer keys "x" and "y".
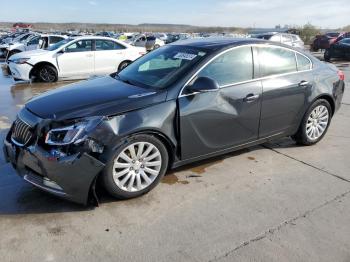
{"x": 18, "y": 197}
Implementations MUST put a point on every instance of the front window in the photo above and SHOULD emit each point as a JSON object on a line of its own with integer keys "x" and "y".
{"x": 231, "y": 67}
{"x": 162, "y": 67}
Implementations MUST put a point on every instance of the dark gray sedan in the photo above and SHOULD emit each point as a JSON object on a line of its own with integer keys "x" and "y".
{"x": 181, "y": 103}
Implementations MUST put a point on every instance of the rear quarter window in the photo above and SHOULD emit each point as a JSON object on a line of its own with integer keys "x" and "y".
{"x": 303, "y": 63}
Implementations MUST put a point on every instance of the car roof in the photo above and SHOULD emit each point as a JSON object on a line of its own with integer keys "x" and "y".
{"x": 218, "y": 43}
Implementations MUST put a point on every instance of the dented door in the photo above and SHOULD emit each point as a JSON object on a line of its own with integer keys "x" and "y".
{"x": 213, "y": 121}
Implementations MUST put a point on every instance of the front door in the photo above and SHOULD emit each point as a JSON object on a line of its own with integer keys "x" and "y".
{"x": 77, "y": 60}
{"x": 214, "y": 121}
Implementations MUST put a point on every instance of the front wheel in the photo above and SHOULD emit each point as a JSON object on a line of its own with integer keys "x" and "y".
{"x": 136, "y": 167}
{"x": 315, "y": 123}
{"x": 47, "y": 74}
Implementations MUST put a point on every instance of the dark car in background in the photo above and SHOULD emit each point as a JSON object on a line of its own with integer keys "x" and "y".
{"x": 340, "y": 37}
{"x": 323, "y": 41}
{"x": 181, "y": 103}
{"x": 340, "y": 49}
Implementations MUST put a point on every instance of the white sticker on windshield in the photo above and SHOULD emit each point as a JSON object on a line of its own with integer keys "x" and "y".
{"x": 185, "y": 56}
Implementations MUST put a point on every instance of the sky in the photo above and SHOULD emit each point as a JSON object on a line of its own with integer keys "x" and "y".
{"x": 242, "y": 13}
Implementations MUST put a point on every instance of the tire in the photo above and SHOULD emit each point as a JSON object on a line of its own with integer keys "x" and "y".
{"x": 47, "y": 74}
{"x": 131, "y": 182}
{"x": 327, "y": 56}
{"x": 123, "y": 65}
{"x": 317, "y": 122}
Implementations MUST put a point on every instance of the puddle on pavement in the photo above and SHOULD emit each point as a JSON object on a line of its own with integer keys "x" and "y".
{"x": 172, "y": 179}
{"x": 201, "y": 169}
{"x": 13, "y": 95}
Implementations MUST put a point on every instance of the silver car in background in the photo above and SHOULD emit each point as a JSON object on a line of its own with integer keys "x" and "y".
{"x": 284, "y": 38}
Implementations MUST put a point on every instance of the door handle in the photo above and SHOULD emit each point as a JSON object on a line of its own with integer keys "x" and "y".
{"x": 304, "y": 83}
{"x": 250, "y": 98}
{"x": 89, "y": 55}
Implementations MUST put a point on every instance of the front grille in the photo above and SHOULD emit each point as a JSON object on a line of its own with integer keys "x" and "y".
{"x": 22, "y": 133}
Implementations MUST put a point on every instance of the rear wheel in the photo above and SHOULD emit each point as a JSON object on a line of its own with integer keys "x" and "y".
{"x": 136, "y": 167}
{"x": 327, "y": 55}
{"x": 123, "y": 65}
{"x": 314, "y": 124}
{"x": 47, "y": 73}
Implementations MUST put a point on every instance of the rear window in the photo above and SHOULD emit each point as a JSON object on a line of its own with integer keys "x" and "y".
{"x": 103, "y": 45}
{"x": 275, "y": 61}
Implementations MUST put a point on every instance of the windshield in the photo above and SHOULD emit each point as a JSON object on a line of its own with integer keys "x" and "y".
{"x": 59, "y": 44}
{"x": 162, "y": 67}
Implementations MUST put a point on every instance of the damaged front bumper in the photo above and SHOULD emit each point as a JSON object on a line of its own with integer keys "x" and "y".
{"x": 69, "y": 177}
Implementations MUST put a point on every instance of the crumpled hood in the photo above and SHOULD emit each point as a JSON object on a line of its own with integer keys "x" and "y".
{"x": 29, "y": 54}
{"x": 97, "y": 97}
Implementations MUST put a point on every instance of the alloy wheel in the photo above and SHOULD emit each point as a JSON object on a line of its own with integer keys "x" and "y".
{"x": 47, "y": 74}
{"x": 137, "y": 166}
{"x": 317, "y": 122}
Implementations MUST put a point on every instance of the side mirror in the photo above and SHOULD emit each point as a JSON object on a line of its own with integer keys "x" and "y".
{"x": 204, "y": 84}
{"x": 61, "y": 51}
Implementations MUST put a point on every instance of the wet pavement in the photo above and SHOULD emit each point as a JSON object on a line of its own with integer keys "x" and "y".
{"x": 276, "y": 202}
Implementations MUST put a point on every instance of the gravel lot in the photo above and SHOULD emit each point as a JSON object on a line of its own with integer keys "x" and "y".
{"x": 276, "y": 202}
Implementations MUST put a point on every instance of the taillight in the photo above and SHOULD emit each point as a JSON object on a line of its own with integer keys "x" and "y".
{"x": 341, "y": 75}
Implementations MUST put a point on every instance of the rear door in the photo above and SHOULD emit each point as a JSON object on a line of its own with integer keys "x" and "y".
{"x": 214, "y": 121}
{"x": 285, "y": 89}
{"x": 77, "y": 60}
{"x": 108, "y": 55}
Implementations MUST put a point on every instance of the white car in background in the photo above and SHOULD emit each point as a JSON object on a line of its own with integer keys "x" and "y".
{"x": 37, "y": 41}
{"x": 284, "y": 38}
{"x": 76, "y": 58}
{"x": 149, "y": 42}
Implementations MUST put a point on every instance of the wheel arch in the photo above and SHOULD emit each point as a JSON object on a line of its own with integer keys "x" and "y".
{"x": 38, "y": 65}
{"x": 168, "y": 143}
{"x": 328, "y": 98}
{"x": 170, "y": 147}
{"x": 126, "y": 60}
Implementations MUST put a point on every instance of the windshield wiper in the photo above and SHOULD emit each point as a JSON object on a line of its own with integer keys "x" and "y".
{"x": 126, "y": 81}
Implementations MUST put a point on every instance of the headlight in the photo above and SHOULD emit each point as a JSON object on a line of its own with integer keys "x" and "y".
{"x": 20, "y": 60}
{"x": 75, "y": 133}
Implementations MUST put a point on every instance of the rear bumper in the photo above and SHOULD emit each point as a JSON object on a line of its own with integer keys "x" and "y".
{"x": 69, "y": 177}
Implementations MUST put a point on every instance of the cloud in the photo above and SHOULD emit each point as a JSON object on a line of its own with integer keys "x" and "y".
{"x": 267, "y": 13}
{"x": 93, "y": 3}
